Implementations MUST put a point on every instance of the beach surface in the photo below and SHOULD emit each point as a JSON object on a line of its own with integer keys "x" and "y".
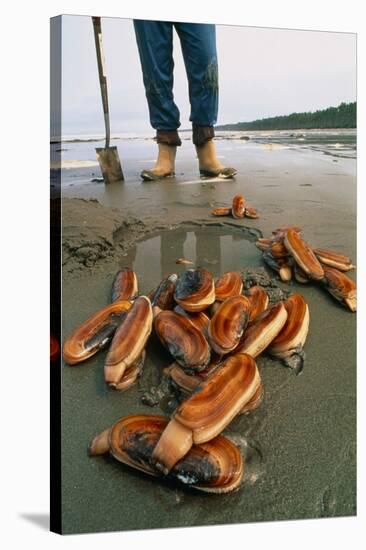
{"x": 300, "y": 445}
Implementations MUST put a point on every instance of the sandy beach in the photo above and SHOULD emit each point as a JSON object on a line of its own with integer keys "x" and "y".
{"x": 300, "y": 445}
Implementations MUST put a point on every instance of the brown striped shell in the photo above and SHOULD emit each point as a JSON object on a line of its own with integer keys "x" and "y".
{"x": 341, "y": 287}
{"x": 263, "y": 330}
{"x": 258, "y": 299}
{"x": 124, "y": 286}
{"x": 216, "y": 466}
{"x": 183, "y": 340}
{"x": 303, "y": 255}
{"x": 95, "y": 333}
{"x": 221, "y": 211}
{"x": 238, "y": 206}
{"x": 294, "y": 332}
{"x": 250, "y": 212}
{"x": 229, "y": 284}
{"x": 163, "y": 296}
{"x": 333, "y": 259}
{"x": 198, "y": 319}
{"x": 195, "y": 290}
{"x": 129, "y": 340}
{"x": 228, "y": 324}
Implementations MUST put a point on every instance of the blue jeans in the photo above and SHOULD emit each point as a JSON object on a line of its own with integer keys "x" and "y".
{"x": 198, "y": 42}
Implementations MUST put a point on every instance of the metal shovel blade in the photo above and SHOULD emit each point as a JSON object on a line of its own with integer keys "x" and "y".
{"x": 109, "y": 164}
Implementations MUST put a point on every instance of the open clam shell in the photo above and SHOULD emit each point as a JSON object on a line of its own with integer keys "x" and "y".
{"x": 238, "y": 206}
{"x": 258, "y": 299}
{"x": 333, "y": 259}
{"x": 195, "y": 290}
{"x": 294, "y": 332}
{"x": 215, "y": 467}
{"x": 163, "y": 296}
{"x": 341, "y": 287}
{"x": 228, "y": 323}
{"x": 125, "y": 286}
{"x": 95, "y": 333}
{"x": 129, "y": 340}
{"x": 261, "y": 332}
{"x": 303, "y": 255}
{"x": 209, "y": 410}
{"x": 183, "y": 340}
{"x": 229, "y": 284}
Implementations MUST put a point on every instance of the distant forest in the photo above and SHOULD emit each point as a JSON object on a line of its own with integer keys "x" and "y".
{"x": 343, "y": 116}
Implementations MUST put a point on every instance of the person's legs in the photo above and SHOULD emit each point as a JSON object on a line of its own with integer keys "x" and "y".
{"x": 155, "y": 46}
{"x": 198, "y": 43}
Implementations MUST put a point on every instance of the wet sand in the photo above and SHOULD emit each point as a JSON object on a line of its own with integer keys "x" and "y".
{"x": 300, "y": 444}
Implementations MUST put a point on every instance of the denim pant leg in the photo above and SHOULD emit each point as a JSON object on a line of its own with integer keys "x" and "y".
{"x": 198, "y": 43}
{"x": 155, "y": 46}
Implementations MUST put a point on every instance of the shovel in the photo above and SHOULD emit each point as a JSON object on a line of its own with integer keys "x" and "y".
{"x": 107, "y": 156}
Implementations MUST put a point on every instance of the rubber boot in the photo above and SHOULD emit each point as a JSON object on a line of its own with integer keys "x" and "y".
{"x": 165, "y": 164}
{"x": 209, "y": 164}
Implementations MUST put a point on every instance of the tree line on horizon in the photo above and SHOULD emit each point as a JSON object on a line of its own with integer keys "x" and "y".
{"x": 343, "y": 116}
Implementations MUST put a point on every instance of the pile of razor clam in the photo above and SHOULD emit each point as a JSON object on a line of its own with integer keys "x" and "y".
{"x": 290, "y": 256}
{"x": 213, "y": 331}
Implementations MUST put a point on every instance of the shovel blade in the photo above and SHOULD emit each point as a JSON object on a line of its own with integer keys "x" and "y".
{"x": 109, "y": 164}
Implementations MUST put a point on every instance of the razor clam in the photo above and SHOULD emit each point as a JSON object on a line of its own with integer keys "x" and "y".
{"x": 258, "y": 299}
{"x": 281, "y": 265}
{"x": 221, "y": 211}
{"x": 229, "y": 284}
{"x": 198, "y": 319}
{"x": 208, "y": 411}
{"x": 131, "y": 374}
{"x": 95, "y": 333}
{"x": 163, "y": 296}
{"x": 214, "y": 467}
{"x": 125, "y": 286}
{"x": 293, "y": 335}
{"x": 250, "y": 212}
{"x": 183, "y": 340}
{"x": 238, "y": 206}
{"x": 261, "y": 332}
{"x": 195, "y": 290}
{"x": 228, "y": 323}
{"x": 333, "y": 259}
{"x": 303, "y": 255}
{"x": 341, "y": 287}
{"x": 129, "y": 340}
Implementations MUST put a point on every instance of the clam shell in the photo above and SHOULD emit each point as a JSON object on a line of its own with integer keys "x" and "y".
{"x": 299, "y": 275}
{"x": 129, "y": 340}
{"x": 125, "y": 286}
{"x": 258, "y": 299}
{"x": 255, "y": 401}
{"x": 341, "y": 287}
{"x": 303, "y": 255}
{"x": 333, "y": 259}
{"x": 281, "y": 265}
{"x": 221, "y": 211}
{"x": 215, "y": 467}
{"x": 278, "y": 249}
{"x": 294, "y": 332}
{"x": 95, "y": 333}
{"x": 250, "y": 212}
{"x": 163, "y": 297}
{"x": 282, "y": 230}
{"x": 198, "y": 319}
{"x": 195, "y": 290}
{"x": 263, "y": 330}
{"x": 208, "y": 411}
{"x": 228, "y": 324}
{"x": 229, "y": 284}
{"x": 263, "y": 243}
{"x": 184, "y": 341}
{"x": 238, "y": 206}
{"x": 131, "y": 374}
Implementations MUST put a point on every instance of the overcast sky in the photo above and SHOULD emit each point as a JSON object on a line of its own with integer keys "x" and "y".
{"x": 262, "y": 72}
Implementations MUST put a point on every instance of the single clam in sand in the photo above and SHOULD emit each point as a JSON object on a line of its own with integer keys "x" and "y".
{"x": 239, "y": 209}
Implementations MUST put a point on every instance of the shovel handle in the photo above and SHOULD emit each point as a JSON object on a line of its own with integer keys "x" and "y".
{"x": 102, "y": 76}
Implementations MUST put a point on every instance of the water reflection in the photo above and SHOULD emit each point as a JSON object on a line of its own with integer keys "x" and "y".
{"x": 216, "y": 249}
